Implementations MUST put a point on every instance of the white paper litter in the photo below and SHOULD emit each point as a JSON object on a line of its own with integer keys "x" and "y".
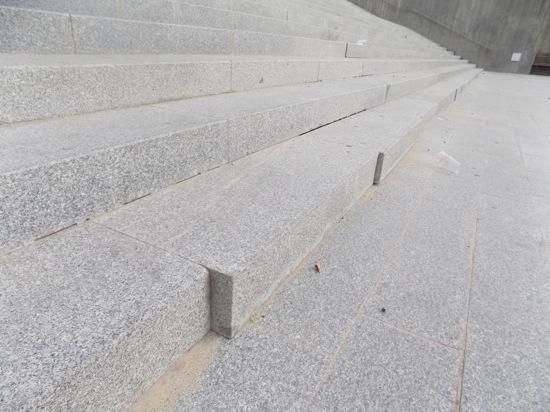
{"x": 446, "y": 162}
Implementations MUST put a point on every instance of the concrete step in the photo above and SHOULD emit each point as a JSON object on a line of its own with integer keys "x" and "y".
{"x": 84, "y": 165}
{"x": 353, "y": 13}
{"x": 176, "y": 12}
{"x": 372, "y": 51}
{"x": 251, "y": 223}
{"x": 444, "y": 93}
{"x": 181, "y": 13}
{"x": 43, "y": 86}
{"x": 91, "y": 317}
{"x": 87, "y": 26}
{"x": 35, "y": 31}
{"x": 93, "y": 314}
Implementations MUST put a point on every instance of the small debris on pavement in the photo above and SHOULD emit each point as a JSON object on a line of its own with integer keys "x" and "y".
{"x": 383, "y": 310}
{"x": 317, "y": 265}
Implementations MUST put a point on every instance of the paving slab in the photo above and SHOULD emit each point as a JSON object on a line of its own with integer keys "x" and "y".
{"x": 425, "y": 289}
{"x": 315, "y": 307}
{"x": 381, "y": 368}
{"x": 507, "y": 358}
{"x": 260, "y": 370}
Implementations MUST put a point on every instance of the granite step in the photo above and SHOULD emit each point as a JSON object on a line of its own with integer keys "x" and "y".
{"x": 35, "y": 31}
{"x": 91, "y": 317}
{"x": 251, "y": 222}
{"x": 60, "y": 171}
{"x": 44, "y": 86}
{"x": 181, "y": 13}
{"x": 93, "y": 314}
{"x": 373, "y": 51}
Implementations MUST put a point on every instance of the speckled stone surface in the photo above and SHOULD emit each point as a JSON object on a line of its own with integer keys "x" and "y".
{"x": 165, "y": 11}
{"x": 257, "y": 73}
{"x": 38, "y": 87}
{"x": 104, "y": 35}
{"x": 30, "y": 31}
{"x": 90, "y": 317}
{"x": 377, "y": 66}
{"x": 50, "y": 89}
{"x": 257, "y": 371}
{"x": 396, "y": 52}
{"x": 396, "y": 339}
{"x": 55, "y": 165}
{"x": 275, "y": 44}
{"x": 383, "y": 369}
{"x": 96, "y": 33}
{"x": 250, "y": 249}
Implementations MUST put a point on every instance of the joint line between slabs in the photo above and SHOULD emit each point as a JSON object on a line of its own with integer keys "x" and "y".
{"x": 358, "y": 313}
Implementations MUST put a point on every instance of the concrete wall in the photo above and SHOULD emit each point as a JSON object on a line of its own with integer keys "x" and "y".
{"x": 485, "y": 32}
{"x": 544, "y": 41}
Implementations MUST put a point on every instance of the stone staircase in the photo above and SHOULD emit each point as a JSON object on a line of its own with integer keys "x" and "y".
{"x": 164, "y": 164}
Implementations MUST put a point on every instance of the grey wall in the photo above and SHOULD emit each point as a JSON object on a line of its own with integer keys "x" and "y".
{"x": 485, "y": 32}
{"x": 544, "y": 41}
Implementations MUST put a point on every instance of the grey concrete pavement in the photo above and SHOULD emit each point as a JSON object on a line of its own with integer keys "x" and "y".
{"x": 434, "y": 290}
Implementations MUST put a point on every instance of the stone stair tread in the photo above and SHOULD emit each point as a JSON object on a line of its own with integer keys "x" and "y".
{"x": 83, "y": 165}
{"x": 46, "y": 141}
{"x": 90, "y": 317}
{"x": 54, "y": 60}
{"x": 95, "y": 312}
{"x": 40, "y": 87}
{"x": 251, "y": 221}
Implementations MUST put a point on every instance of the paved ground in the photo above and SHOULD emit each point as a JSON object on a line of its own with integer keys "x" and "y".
{"x": 433, "y": 293}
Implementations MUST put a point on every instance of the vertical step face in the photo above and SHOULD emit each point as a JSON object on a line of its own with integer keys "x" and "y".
{"x": 102, "y": 35}
{"x": 89, "y": 164}
{"x": 161, "y": 11}
{"x": 33, "y": 31}
{"x": 249, "y": 249}
{"x": 37, "y": 87}
{"x": 374, "y": 51}
{"x": 94, "y": 162}
{"x": 90, "y": 318}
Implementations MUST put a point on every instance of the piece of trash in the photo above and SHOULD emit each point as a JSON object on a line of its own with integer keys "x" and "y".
{"x": 362, "y": 42}
{"x": 383, "y": 310}
{"x": 317, "y": 265}
{"x": 446, "y": 162}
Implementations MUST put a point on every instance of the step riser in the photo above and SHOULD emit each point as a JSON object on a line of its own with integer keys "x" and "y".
{"x": 232, "y": 307}
{"x": 401, "y": 65}
{"x": 172, "y": 12}
{"x": 80, "y": 89}
{"x": 374, "y": 52}
{"x": 123, "y": 311}
{"x": 399, "y": 89}
{"x": 26, "y": 31}
{"x": 82, "y": 186}
{"x": 162, "y": 11}
{"x": 37, "y": 38}
{"x": 87, "y": 185}
{"x": 241, "y": 281}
